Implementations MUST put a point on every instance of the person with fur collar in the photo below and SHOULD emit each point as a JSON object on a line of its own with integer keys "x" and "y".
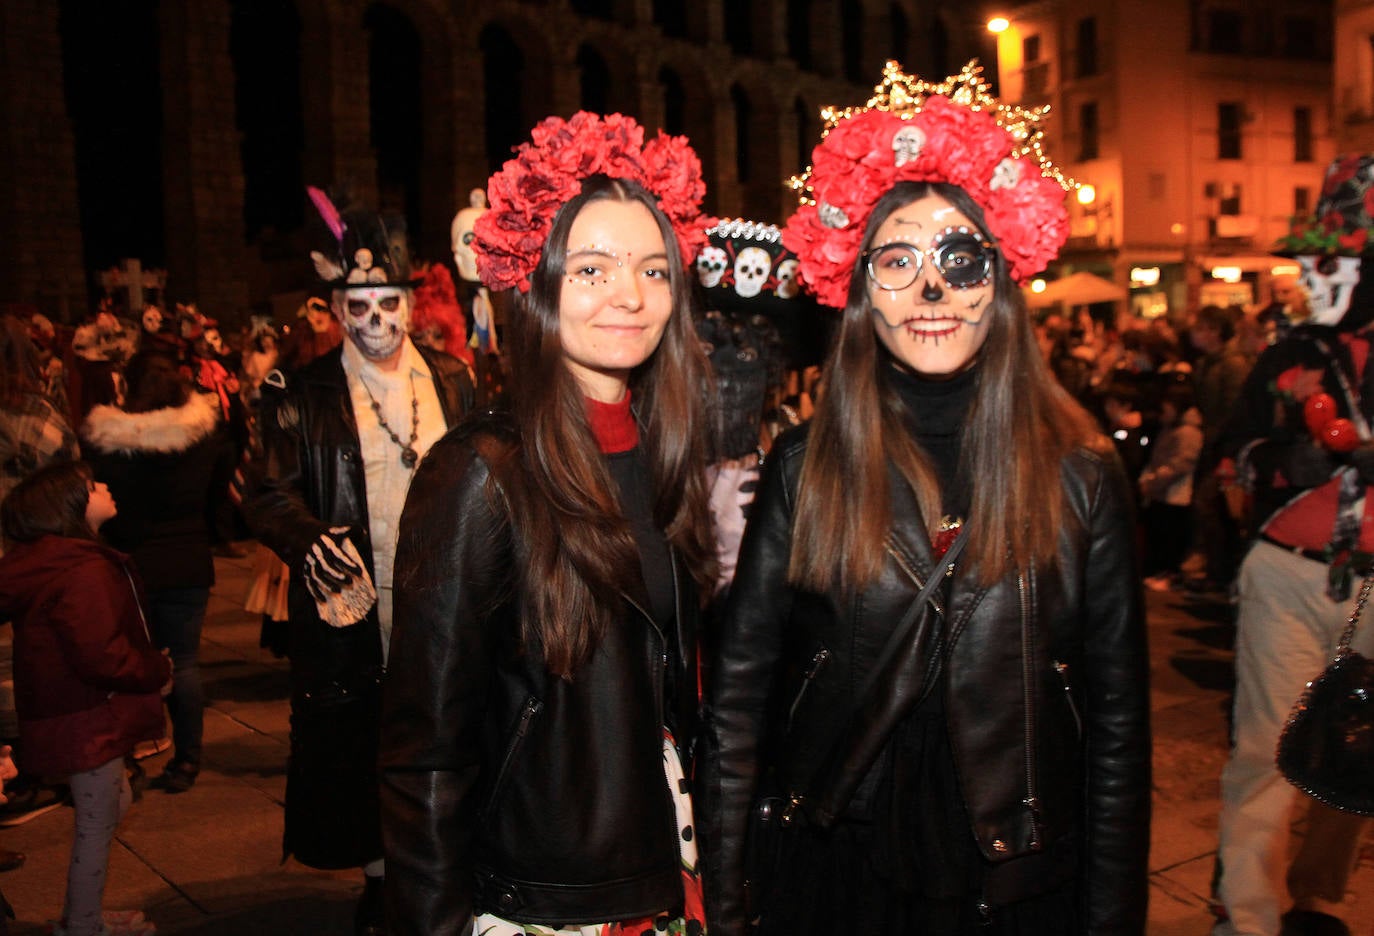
{"x": 160, "y": 455}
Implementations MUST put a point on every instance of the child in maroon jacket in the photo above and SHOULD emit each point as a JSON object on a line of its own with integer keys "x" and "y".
{"x": 86, "y": 674}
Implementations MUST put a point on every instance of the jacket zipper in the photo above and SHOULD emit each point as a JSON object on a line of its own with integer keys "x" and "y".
{"x": 812, "y": 670}
{"x": 531, "y": 708}
{"x": 1063, "y": 670}
{"x": 911, "y": 573}
{"x": 660, "y": 673}
{"x": 1032, "y": 802}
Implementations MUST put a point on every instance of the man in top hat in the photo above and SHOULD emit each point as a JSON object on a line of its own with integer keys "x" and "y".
{"x": 1300, "y": 434}
{"x": 341, "y": 438}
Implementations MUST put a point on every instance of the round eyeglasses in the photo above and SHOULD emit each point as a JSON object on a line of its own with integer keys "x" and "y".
{"x": 960, "y": 254}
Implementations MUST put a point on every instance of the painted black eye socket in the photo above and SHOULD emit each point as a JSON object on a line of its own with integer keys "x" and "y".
{"x": 1326, "y": 266}
{"x": 963, "y": 259}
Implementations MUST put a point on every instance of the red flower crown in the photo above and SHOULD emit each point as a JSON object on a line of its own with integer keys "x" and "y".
{"x": 918, "y": 131}
{"x": 548, "y": 171}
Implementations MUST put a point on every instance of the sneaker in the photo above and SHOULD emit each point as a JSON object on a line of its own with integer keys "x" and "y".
{"x": 178, "y": 777}
{"x": 146, "y": 749}
{"x": 30, "y": 804}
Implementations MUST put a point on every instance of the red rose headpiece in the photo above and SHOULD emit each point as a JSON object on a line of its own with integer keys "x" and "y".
{"x": 548, "y": 171}
{"x": 919, "y": 131}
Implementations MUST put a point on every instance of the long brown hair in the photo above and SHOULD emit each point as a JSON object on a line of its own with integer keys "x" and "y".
{"x": 1019, "y": 428}
{"x": 577, "y": 555}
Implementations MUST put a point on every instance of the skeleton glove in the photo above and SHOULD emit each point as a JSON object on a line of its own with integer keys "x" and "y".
{"x": 328, "y": 568}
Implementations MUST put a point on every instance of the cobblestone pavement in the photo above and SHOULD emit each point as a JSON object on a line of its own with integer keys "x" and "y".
{"x": 208, "y": 861}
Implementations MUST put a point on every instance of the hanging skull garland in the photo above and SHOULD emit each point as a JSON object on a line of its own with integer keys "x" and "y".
{"x": 788, "y": 287}
{"x": 374, "y": 318}
{"x": 711, "y": 264}
{"x": 1330, "y": 283}
{"x": 751, "y": 271}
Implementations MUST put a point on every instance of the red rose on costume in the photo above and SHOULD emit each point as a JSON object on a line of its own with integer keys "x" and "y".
{"x": 1342, "y": 172}
{"x": 1354, "y": 241}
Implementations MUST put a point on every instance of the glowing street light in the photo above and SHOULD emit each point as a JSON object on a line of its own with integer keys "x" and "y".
{"x": 999, "y": 24}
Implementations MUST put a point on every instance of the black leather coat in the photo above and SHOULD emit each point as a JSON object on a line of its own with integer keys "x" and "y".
{"x": 310, "y": 477}
{"x": 1047, "y": 703}
{"x": 505, "y": 789}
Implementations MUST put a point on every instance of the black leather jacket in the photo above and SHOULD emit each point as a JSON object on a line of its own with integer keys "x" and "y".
{"x": 1047, "y": 703}
{"x": 505, "y": 789}
{"x": 310, "y": 477}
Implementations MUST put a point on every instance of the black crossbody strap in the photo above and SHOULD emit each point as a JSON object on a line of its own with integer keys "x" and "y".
{"x": 889, "y": 694}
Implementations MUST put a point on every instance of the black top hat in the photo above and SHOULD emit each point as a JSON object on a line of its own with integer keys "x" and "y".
{"x": 357, "y": 248}
{"x": 1342, "y": 224}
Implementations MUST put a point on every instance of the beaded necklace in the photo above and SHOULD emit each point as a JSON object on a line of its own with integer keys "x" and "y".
{"x": 408, "y": 454}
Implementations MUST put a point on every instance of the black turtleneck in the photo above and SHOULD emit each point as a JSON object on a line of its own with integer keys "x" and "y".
{"x": 936, "y": 413}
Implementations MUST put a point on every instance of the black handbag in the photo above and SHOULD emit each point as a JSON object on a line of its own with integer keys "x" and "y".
{"x": 1327, "y": 747}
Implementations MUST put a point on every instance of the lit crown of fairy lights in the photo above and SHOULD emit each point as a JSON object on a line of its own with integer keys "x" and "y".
{"x": 904, "y": 95}
{"x": 952, "y": 131}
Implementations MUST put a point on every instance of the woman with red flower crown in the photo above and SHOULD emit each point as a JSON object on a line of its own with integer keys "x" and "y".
{"x": 929, "y": 709}
{"x": 542, "y": 691}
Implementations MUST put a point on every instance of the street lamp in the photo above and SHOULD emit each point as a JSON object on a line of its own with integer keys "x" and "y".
{"x": 999, "y": 24}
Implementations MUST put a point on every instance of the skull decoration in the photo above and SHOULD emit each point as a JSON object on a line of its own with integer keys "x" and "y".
{"x": 751, "y": 271}
{"x": 831, "y": 216}
{"x": 788, "y": 287}
{"x": 711, "y": 264}
{"x": 460, "y": 235}
{"x": 374, "y": 318}
{"x": 1006, "y": 175}
{"x": 1330, "y": 283}
{"x": 152, "y": 319}
{"x": 906, "y": 144}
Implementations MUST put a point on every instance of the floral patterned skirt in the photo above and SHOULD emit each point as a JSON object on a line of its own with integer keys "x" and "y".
{"x": 693, "y": 920}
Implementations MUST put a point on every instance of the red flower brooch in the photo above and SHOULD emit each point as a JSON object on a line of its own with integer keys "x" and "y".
{"x": 918, "y": 131}
{"x": 548, "y": 171}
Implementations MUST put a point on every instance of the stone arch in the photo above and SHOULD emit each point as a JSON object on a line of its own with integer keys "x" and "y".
{"x": 622, "y": 82}
{"x": 430, "y": 203}
{"x": 112, "y": 90}
{"x": 693, "y": 113}
{"x": 265, "y": 48}
{"x": 758, "y": 145}
{"x": 798, "y": 31}
{"x": 517, "y": 69}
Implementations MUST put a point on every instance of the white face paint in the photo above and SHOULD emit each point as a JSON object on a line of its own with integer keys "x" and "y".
{"x": 152, "y": 319}
{"x": 461, "y": 236}
{"x": 711, "y": 264}
{"x": 1330, "y": 283}
{"x": 375, "y": 319}
{"x": 751, "y": 271}
{"x": 787, "y": 278}
{"x": 214, "y": 340}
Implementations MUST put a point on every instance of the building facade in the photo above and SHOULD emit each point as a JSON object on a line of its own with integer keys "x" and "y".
{"x": 180, "y": 133}
{"x": 1202, "y": 126}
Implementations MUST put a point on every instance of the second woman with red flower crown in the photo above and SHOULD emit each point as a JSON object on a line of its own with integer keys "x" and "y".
{"x": 543, "y": 678}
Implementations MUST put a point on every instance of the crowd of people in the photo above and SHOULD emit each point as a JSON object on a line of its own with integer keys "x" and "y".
{"x": 538, "y": 657}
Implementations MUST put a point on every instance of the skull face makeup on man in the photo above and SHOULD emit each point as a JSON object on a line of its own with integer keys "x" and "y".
{"x": 375, "y": 318}
{"x": 1329, "y": 283}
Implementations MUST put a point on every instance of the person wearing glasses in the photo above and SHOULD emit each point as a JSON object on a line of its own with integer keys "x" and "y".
{"x": 929, "y": 711}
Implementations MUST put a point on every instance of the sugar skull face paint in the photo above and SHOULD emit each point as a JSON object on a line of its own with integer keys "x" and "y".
{"x": 931, "y": 286}
{"x": 1329, "y": 283}
{"x": 374, "y": 318}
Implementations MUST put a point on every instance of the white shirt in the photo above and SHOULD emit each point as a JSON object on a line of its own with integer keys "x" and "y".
{"x": 387, "y": 477}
